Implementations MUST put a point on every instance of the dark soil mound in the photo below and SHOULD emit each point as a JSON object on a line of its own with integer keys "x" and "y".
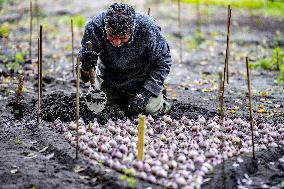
{"x": 60, "y": 104}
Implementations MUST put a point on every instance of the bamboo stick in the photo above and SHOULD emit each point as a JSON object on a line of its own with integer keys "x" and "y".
{"x": 40, "y": 59}
{"x": 180, "y": 30}
{"x": 38, "y": 73}
{"x": 207, "y": 11}
{"x": 31, "y": 28}
{"x": 228, "y": 42}
{"x": 141, "y": 131}
{"x": 72, "y": 36}
{"x": 250, "y": 107}
{"x": 198, "y": 17}
{"x": 17, "y": 106}
{"x": 222, "y": 126}
{"x": 37, "y": 12}
{"x": 77, "y": 105}
{"x": 20, "y": 88}
{"x": 221, "y": 98}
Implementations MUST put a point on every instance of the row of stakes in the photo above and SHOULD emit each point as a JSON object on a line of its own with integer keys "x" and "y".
{"x": 17, "y": 108}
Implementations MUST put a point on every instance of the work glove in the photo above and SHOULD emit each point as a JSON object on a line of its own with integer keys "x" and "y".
{"x": 140, "y": 101}
{"x": 88, "y": 59}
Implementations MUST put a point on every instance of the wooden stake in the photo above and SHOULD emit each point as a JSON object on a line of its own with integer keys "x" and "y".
{"x": 38, "y": 75}
{"x": 17, "y": 106}
{"x": 37, "y": 12}
{"x": 40, "y": 59}
{"x": 19, "y": 90}
{"x": 207, "y": 11}
{"x": 222, "y": 95}
{"x": 149, "y": 11}
{"x": 92, "y": 71}
{"x": 72, "y": 34}
{"x": 141, "y": 131}
{"x": 221, "y": 98}
{"x": 180, "y": 31}
{"x": 198, "y": 17}
{"x": 31, "y": 28}
{"x": 77, "y": 104}
{"x": 250, "y": 108}
{"x": 228, "y": 42}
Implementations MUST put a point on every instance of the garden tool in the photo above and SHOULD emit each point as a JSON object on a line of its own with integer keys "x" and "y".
{"x": 95, "y": 98}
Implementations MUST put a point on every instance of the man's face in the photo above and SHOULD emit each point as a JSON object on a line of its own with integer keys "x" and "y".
{"x": 118, "y": 41}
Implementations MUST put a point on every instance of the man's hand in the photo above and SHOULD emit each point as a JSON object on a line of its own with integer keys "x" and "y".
{"x": 88, "y": 59}
{"x": 139, "y": 103}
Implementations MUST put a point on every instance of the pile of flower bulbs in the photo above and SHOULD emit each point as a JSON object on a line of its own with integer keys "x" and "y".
{"x": 178, "y": 153}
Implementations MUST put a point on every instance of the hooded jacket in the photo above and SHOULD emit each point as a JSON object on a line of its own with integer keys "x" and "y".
{"x": 144, "y": 61}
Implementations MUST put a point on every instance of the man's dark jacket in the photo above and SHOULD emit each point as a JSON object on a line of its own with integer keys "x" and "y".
{"x": 144, "y": 61}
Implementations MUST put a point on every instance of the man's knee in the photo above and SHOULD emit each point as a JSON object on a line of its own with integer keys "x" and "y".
{"x": 157, "y": 106}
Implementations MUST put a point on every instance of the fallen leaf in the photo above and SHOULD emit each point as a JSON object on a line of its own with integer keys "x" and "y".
{"x": 78, "y": 169}
{"x": 31, "y": 155}
{"x": 44, "y": 149}
{"x": 205, "y": 90}
{"x": 262, "y": 111}
{"x": 276, "y": 105}
{"x": 13, "y": 171}
{"x": 263, "y": 93}
{"x": 84, "y": 177}
{"x": 49, "y": 156}
{"x": 261, "y": 106}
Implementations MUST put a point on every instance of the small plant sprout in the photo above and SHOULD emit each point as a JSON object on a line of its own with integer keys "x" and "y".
{"x": 250, "y": 107}
{"x": 141, "y": 131}
{"x": 77, "y": 104}
{"x": 17, "y": 107}
{"x": 18, "y": 141}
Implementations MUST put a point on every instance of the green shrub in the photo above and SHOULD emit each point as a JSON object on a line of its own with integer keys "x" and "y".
{"x": 5, "y": 30}
{"x": 276, "y": 62}
{"x": 277, "y": 58}
{"x": 79, "y": 21}
{"x": 19, "y": 57}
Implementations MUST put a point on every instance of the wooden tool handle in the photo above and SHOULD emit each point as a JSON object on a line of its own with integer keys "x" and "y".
{"x": 92, "y": 71}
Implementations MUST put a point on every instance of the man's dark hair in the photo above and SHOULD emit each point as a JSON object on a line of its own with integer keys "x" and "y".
{"x": 119, "y": 19}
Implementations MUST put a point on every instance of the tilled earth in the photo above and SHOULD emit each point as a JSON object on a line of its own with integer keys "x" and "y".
{"x": 32, "y": 154}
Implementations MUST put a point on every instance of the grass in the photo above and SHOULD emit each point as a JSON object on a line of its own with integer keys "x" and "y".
{"x": 272, "y": 8}
{"x": 275, "y": 62}
{"x": 129, "y": 177}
